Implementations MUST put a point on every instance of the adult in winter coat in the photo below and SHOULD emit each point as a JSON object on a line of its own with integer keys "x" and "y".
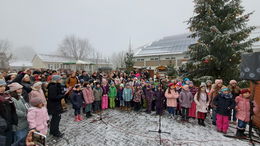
{"x": 72, "y": 81}
{"x": 159, "y": 99}
{"x": 84, "y": 77}
{"x": 24, "y": 79}
{"x": 186, "y": 98}
{"x": 243, "y": 111}
{"x": 21, "y": 107}
{"x": 76, "y": 99}
{"x": 38, "y": 92}
{"x": 224, "y": 103}
{"x": 202, "y": 103}
{"x": 54, "y": 104}
{"x": 112, "y": 95}
{"x": 88, "y": 98}
{"x": 171, "y": 99}
{"x": 128, "y": 96}
{"x": 235, "y": 91}
{"x": 7, "y": 114}
{"x": 98, "y": 92}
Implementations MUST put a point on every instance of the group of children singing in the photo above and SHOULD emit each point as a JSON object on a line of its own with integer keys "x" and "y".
{"x": 223, "y": 103}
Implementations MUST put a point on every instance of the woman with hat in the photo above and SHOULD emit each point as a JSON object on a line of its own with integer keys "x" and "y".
{"x": 20, "y": 130}
{"x": 171, "y": 98}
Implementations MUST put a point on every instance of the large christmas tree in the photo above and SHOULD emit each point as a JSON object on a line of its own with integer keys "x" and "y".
{"x": 223, "y": 35}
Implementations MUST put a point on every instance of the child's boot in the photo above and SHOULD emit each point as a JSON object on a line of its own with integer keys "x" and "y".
{"x": 76, "y": 119}
{"x": 238, "y": 133}
{"x": 80, "y": 117}
{"x": 202, "y": 123}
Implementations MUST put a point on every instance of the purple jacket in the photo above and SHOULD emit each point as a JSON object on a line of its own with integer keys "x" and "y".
{"x": 105, "y": 89}
{"x": 150, "y": 95}
{"x": 185, "y": 99}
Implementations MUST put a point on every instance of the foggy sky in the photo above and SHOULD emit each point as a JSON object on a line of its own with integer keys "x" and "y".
{"x": 108, "y": 24}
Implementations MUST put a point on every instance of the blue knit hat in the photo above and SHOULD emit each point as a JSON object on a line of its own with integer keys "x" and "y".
{"x": 56, "y": 77}
{"x": 2, "y": 82}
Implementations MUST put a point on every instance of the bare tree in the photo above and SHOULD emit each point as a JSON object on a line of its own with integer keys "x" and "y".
{"x": 75, "y": 47}
{"x": 5, "y": 48}
{"x": 117, "y": 59}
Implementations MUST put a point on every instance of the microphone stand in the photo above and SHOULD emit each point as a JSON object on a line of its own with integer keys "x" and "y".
{"x": 160, "y": 125}
{"x": 159, "y": 130}
{"x": 100, "y": 118}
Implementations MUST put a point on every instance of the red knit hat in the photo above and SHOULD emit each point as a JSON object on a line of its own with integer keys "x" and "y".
{"x": 242, "y": 91}
{"x": 170, "y": 84}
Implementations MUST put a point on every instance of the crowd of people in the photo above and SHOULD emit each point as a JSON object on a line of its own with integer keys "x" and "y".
{"x": 27, "y": 98}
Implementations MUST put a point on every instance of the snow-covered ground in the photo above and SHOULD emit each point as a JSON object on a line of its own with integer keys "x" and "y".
{"x": 131, "y": 129}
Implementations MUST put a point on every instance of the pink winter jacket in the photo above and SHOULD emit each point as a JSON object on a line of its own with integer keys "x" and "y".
{"x": 37, "y": 118}
{"x": 38, "y": 93}
{"x": 171, "y": 98}
{"x": 243, "y": 108}
{"x": 88, "y": 95}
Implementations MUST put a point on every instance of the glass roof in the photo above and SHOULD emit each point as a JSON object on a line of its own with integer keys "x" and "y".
{"x": 168, "y": 45}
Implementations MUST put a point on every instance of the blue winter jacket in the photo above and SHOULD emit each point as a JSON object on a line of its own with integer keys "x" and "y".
{"x": 127, "y": 94}
{"x": 76, "y": 98}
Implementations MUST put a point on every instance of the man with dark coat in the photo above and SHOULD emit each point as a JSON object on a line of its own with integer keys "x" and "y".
{"x": 54, "y": 104}
{"x": 84, "y": 77}
{"x": 8, "y": 116}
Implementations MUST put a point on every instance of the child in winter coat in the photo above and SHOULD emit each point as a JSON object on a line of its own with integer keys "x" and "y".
{"x": 171, "y": 97}
{"x": 149, "y": 99}
{"x": 38, "y": 92}
{"x": 159, "y": 99}
{"x": 185, "y": 99}
{"x": 128, "y": 96}
{"x": 202, "y": 103}
{"x": 120, "y": 95}
{"x": 112, "y": 95}
{"x": 224, "y": 104}
{"x": 243, "y": 111}
{"x": 138, "y": 96}
{"x": 192, "y": 109}
{"x": 215, "y": 90}
{"x": 98, "y": 92}
{"x": 88, "y": 98}
{"x": 178, "y": 88}
{"x": 105, "y": 88}
{"x": 235, "y": 90}
{"x": 37, "y": 116}
{"x": 77, "y": 101}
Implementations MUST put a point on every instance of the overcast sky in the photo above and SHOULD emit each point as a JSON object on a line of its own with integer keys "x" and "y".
{"x": 108, "y": 24}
